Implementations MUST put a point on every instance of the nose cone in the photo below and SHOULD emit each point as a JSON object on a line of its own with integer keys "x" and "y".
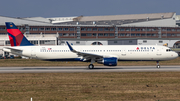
{"x": 176, "y": 55}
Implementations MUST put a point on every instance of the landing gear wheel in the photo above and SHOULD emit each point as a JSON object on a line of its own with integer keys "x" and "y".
{"x": 158, "y": 66}
{"x": 91, "y": 66}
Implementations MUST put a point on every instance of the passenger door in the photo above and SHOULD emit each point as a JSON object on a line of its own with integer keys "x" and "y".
{"x": 33, "y": 52}
{"x": 158, "y": 51}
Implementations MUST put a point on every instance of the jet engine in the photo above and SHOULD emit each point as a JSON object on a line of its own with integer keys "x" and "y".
{"x": 110, "y": 61}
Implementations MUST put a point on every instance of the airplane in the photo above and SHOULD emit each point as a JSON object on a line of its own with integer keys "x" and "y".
{"x": 109, "y": 55}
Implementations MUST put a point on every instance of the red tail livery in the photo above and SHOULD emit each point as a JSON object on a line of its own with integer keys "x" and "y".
{"x": 15, "y": 36}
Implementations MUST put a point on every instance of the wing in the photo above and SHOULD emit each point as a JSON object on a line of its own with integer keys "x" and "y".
{"x": 86, "y": 56}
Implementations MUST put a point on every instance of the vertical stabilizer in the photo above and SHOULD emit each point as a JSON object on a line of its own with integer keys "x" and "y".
{"x": 16, "y": 38}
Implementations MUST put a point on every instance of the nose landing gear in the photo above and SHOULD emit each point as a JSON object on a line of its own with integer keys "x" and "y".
{"x": 157, "y": 66}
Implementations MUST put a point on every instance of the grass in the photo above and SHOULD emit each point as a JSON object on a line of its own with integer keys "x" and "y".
{"x": 34, "y": 62}
{"x": 122, "y": 86}
{"x": 144, "y": 86}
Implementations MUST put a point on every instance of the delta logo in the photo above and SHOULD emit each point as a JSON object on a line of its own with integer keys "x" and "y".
{"x": 145, "y": 48}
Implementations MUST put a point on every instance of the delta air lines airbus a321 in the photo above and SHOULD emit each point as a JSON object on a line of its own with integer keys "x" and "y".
{"x": 107, "y": 55}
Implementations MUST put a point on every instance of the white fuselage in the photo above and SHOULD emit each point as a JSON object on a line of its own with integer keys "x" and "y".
{"x": 122, "y": 52}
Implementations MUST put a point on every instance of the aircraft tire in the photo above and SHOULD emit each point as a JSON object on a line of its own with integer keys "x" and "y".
{"x": 158, "y": 66}
{"x": 91, "y": 66}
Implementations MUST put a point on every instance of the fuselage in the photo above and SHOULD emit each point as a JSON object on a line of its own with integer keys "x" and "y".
{"x": 121, "y": 52}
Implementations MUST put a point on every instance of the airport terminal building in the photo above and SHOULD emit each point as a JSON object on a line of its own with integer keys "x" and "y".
{"x": 133, "y": 29}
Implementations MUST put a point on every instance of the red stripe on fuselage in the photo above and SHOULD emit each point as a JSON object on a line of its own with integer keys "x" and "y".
{"x": 17, "y": 34}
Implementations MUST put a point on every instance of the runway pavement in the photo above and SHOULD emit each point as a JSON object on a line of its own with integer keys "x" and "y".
{"x": 85, "y": 69}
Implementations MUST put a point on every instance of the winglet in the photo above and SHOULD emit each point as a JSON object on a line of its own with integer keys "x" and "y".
{"x": 70, "y": 47}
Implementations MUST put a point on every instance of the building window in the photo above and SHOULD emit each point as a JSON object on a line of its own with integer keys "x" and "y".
{"x": 173, "y": 30}
{"x": 7, "y": 42}
{"x": 71, "y": 34}
{"x": 59, "y": 29}
{"x": 100, "y": 29}
{"x": 133, "y": 29}
{"x": 71, "y": 29}
{"x": 89, "y": 34}
{"x": 178, "y": 30}
{"x": 83, "y": 29}
{"x": 160, "y": 41}
{"x": 2, "y": 28}
{"x": 143, "y": 29}
{"x": 163, "y": 34}
{"x": 154, "y": 29}
{"x": 2, "y": 33}
{"x": 94, "y": 34}
{"x": 47, "y": 29}
{"x": 47, "y": 42}
{"x": 100, "y": 34}
{"x": 111, "y": 34}
{"x": 122, "y": 29}
{"x": 148, "y": 29}
{"x": 106, "y": 34}
{"x": 122, "y": 34}
{"x": 53, "y": 29}
{"x": 83, "y": 34}
{"x": 173, "y": 35}
{"x": 65, "y": 29}
{"x": 89, "y": 29}
{"x": 127, "y": 29}
{"x": 153, "y": 34}
{"x": 127, "y": 34}
{"x": 94, "y": 29}
{"x": 115, "y": 41}
{"x": 65, "y": 34}
{"x": 144, "y": 41}
{"x": 133, "y": 34}
{"x": 34, "y": 42}
{"x": 34, "y": 29}
{"x": 138, "y": 29}
{"x": 60, "y": 34}
{"x": 148, "y": 34}
{"x": 143, "y": 35}
{"x": 138, "y": 34}
{"x": 41, "y": 29}
{"x": 106, "y": 29}
{"x": 168, "y": 34}
{"x": 163, "y": 29}
{"x": 168, "y": 29}
{"x": 21, "y": 29}
{"x": 111, "y": 29}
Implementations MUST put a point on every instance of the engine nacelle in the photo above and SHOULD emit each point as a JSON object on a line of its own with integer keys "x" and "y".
{"x": 111, "y": 61}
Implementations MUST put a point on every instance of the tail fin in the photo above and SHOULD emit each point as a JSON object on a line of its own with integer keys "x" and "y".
{"x": 16, "y": 38}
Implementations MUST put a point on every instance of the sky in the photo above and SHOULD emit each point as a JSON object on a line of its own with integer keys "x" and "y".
{"x": 67, "y": 8}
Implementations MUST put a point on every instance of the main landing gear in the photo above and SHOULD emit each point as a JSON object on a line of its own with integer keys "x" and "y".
{"x": 157, "y": 66}
{"x": 91, "y": 66}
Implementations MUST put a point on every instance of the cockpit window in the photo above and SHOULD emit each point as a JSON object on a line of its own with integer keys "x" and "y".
{"x": 168, "y": 50}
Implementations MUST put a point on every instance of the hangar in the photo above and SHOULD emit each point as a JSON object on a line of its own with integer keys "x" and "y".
{"x": 132, "y": 29}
